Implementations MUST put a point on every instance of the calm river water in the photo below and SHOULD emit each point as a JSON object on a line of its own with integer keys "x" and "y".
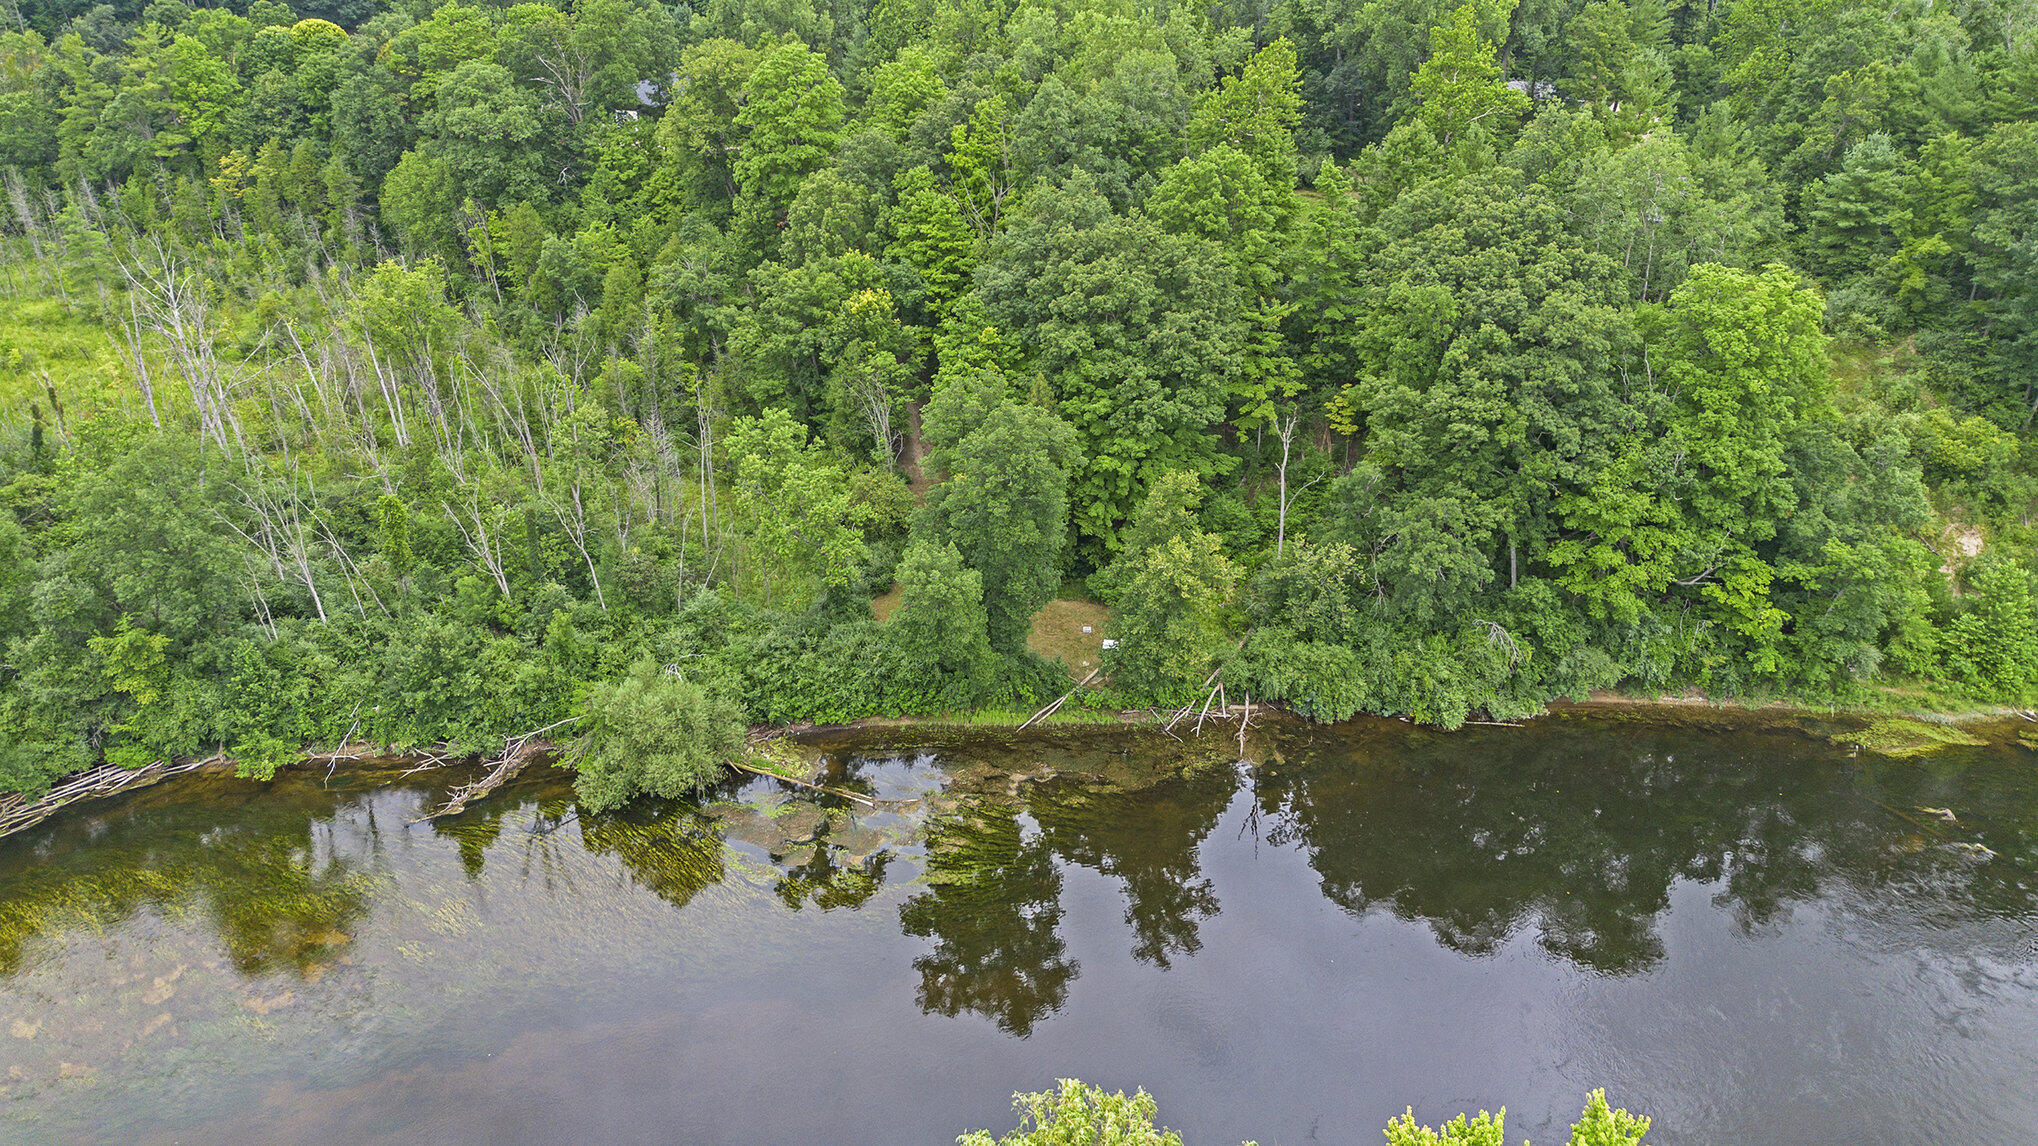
{"x": 1751, "y": 935}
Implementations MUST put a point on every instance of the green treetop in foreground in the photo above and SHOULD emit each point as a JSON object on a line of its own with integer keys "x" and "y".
{"x": 1080, "y": 1115}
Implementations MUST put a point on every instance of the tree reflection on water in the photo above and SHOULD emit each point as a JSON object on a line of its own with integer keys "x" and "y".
{"x": 1576, "y": 833}
{"x": 281, "y": 890}
{"x": 993, "y": 911}
{"x": 1561, "y": 829}
{"x": 1583, "y": 835}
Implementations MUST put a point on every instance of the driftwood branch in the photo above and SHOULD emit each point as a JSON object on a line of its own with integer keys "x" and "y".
{"x": 517, "y": 752}
{"x": 1183, "y": 712}
{"x": 1051, "y": 709}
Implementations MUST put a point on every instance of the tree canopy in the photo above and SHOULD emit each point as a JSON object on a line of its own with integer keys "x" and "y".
{"x": 418, "y": 372}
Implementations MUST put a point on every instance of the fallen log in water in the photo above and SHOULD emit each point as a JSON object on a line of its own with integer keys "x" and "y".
{"x": 18, "y": 812}
{"x": 1183, "y": 712}
{"x": 845, "y": 793}
{"x": 505, "y": 770}
{"x": 517, "y": 753}
{"x": 1207, "y": 702}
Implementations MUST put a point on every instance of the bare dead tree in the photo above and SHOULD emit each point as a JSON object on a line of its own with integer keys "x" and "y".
{"x": 568, "y": 68}
{"x": 418, "y": 360}
{"x": 874, "y": 400}
{"x": 573, "y": 357}
{"x": 168, "y": 298}
{"x": 704, "y": 422}
{"x": 1498, "y": 635}
{"x": 569, "y": 505}
{"x": 280, "y": 534}
{"x": 350, "y": 570}
{"x": 504, "y": 399}
{"x": 482, "y": 528}
{"x": 392, "y": 396}
{"x": 1284, "y": 428}
{"x": 320, "y": 376}
{"x": 33, "y": 223}
{"x": 261, "y": 599}
{"x": 131, "y": 351}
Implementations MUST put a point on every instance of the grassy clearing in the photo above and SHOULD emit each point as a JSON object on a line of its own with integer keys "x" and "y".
{"x": 887, "y": 603}
{"x": 1058, "y": 632}
{"x": 1057, "y": 629}
{"x": 1865, "y": 368}
{"x": 44, "y": 345}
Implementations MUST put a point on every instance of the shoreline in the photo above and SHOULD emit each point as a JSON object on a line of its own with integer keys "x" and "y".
{"x": 1600, "y": 702}
{"x": 1992, "y": 725}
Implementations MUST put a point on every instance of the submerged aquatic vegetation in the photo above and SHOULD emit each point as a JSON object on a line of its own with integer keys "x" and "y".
{"x": 1895, "y": 736}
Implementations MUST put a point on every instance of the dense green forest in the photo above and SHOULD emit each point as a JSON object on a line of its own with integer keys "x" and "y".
{"x": 375, "y": 370}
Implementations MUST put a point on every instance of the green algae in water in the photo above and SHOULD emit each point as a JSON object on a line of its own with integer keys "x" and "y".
{"x": 1896, "y": 736}
{"x": 674, "y": 857}
{"x": 781, "y": 758}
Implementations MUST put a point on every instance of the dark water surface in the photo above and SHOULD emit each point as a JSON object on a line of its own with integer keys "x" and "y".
{"x": 1751, "y": 935}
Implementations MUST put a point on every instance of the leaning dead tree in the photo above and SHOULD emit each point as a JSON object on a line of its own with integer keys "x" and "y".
{"x": 483, "y": 526}
{"x": 276, "y": 529}
{"x": 168, "y": 298}
{"x": 1055, "y": 707}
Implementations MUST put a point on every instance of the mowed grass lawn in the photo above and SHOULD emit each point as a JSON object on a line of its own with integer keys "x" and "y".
{"x": 1057, "y": 630}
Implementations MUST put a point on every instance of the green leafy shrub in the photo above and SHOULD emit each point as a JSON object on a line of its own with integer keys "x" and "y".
{"x": 1600, "y": 1125}
{"x": 1318, "y": 680}
{"x": 1080, "y": 1115}
{"x": 1076, "y": 1114}
{"x": 1994, "y": 643}
{"x": 652, "y": 732}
